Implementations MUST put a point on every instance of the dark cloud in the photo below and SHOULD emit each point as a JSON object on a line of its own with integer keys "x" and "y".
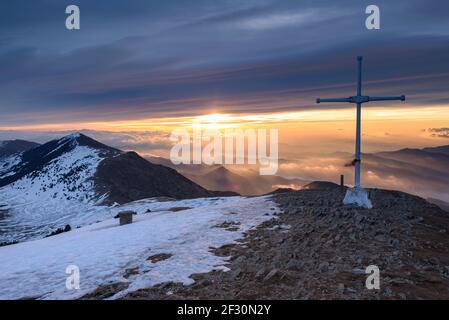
{"x": 155, "y": 58}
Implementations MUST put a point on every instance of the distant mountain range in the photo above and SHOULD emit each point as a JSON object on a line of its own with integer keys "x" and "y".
{"x": 424, "y": 172}
{"x": 78, "y": 167}
{"x": 118, "y": 176}
{"x": 217, "y": 177}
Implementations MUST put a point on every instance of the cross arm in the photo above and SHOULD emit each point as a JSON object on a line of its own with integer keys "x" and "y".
{"x": 401, "y": 98}
{"x": 333, "y": 100}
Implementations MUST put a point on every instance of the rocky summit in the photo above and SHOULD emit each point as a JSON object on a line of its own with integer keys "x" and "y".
{"x": 317, "y": 248}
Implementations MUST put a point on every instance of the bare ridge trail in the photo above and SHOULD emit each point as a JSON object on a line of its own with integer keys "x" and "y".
{"x": 316, "y": 248}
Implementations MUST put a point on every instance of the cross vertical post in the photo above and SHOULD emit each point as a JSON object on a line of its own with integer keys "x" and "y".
{"x": 358, "y": 124}
{"x": 357, "y": 195}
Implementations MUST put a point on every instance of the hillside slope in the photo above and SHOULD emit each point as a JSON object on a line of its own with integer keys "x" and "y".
{"x": 161, "y": 245}
{"x": 129, "y": 177}
{"x": 319, "y": 249}
{"x": 65, "y": 181}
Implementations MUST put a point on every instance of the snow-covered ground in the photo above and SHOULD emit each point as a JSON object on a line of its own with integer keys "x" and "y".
{"x": 104, "y": 250}
{"x": 7, "y": 163}
{"x": 61, "y": 193}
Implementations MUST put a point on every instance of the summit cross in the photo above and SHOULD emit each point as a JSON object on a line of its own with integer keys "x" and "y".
{"x": 357, "y": 195}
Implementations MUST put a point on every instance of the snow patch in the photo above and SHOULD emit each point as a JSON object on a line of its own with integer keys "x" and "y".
{"x": 103, "y": 251}
{"x": 61, "y": 193}
{"x": 70, "y": 137}
{"x": 8, "y": 163}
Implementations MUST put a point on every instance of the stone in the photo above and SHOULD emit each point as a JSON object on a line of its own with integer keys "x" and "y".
{"x": 239, "y": 259}
{"x": 380, "y": 238}
{"x": 260, "y": 273}
{"x": 358, "y": 271}
{"x": 270, "y": 275}
{"x": 292, "y": 264}
{"x": 159, "y": 257}
{"x": 323, "y": 266}
{"x": 394, "y": 242}
{"x": 235, "y": 274}
{"x": 388, "y": 292}
{"x": 341, "y": 287}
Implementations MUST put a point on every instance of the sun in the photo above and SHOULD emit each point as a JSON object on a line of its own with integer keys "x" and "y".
{"x": 214, "y": 118}
{"x": 215, "y": 121}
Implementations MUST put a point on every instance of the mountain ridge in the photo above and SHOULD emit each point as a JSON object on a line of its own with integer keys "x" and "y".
{"x": 10, "y": 147}
{"x": 112, "y": 162}
{"x": 71, "y": 180}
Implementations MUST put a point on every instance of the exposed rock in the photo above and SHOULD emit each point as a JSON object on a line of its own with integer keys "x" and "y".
{"x": 270, "y": 275}
{"x": 159, "y": 257}
{"x": 135, "y": 178}
{"x": 325, "y": 253}
{"x": 131, "y": 272}
{"x": 229, "y": 225}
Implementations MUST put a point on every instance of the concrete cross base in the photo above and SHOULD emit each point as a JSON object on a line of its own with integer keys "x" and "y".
{"x": 359, "y": 197}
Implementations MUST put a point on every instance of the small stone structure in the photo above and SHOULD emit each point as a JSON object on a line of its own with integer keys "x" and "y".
{"x": 126, "y": 217}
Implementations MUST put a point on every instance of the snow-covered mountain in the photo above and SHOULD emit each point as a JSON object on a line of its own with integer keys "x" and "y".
{"x": 10, "y": 147}
{"x": 78, "y": 167}
{"x": 60, "y": 169}
{"x": 66, "y": 181}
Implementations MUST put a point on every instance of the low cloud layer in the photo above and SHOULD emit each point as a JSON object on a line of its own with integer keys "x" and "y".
{"x": 422, "y": 172}
{"x": 146, "y": 142}
{"x": 439, "y": 132}
{"x": 398, "y": 171}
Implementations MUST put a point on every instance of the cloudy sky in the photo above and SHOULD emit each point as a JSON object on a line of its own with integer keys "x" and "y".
{"x": 141, "y": 59}
{"x": 138, "y": 68}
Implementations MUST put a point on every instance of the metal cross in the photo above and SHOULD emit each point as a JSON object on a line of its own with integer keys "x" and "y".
{"x": 359, "y": 99}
